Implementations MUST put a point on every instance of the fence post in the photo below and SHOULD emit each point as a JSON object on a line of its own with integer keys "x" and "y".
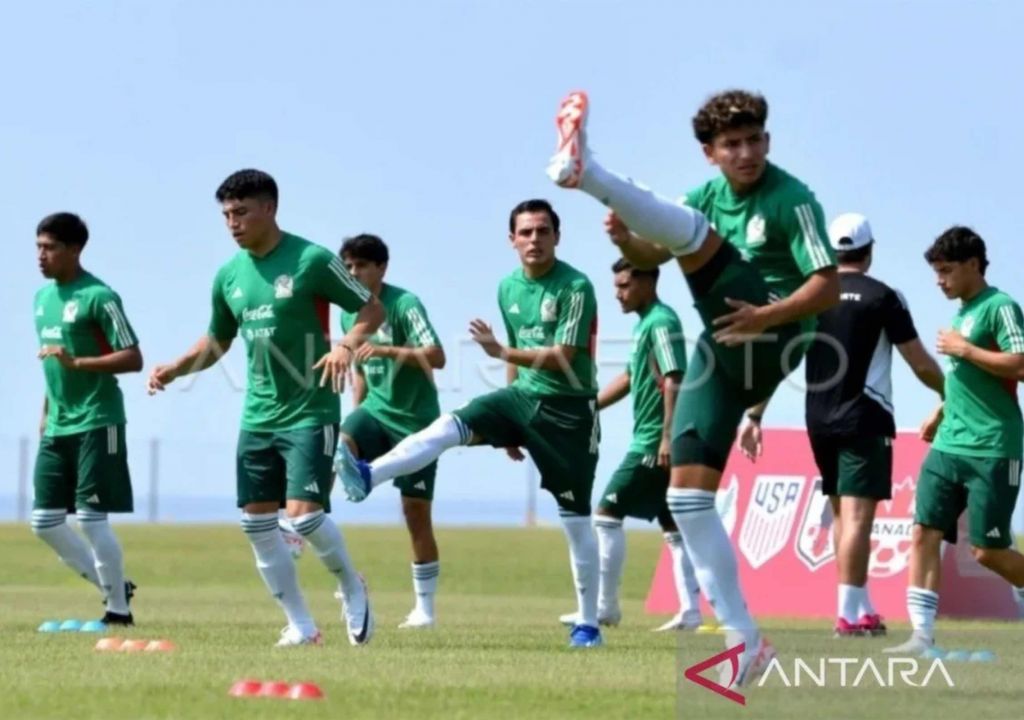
{"x": 154, "y": 479}
{"x": 23, "y": 471}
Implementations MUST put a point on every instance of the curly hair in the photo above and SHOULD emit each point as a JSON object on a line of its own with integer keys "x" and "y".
{"x": 727, "y": 111}
{"x": 958, "y": 244}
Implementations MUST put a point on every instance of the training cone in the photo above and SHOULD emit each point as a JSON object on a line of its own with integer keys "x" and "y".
{"x": 934, "y": 653}
{"x": 50, "y": 626}
{"x": 982, "y": 656}
{"x": 71, "y": 626}
{"x": 93, "y": 626}
{"x": 957, "y": 656}
{"x": 245, "y": 688}
{"x": 274, "y": 689}
{"x": 133, "y": 645}
{"x": 159, "y": 646}
{"x": 305, "y": 691}
{"x": 109, "y": 643}
{"x": 710, "y": 627}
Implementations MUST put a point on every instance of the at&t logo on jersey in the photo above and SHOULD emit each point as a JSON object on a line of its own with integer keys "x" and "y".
{"x": 770, "y": 515}
{"x": 814, "y": 544}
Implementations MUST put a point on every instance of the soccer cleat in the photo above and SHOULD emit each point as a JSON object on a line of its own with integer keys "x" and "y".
{"x": 292, "y": 637}
{"x": 690, "y": 620}
{"x": 916, "y": 646}
{"x": 567, "y": 166}
{"x": 844, "y": 628}
{"x": 353, "y": 473}
{"x": 754, "y": 661}
{"x": 111, "y": 618}
{"x": 584, "y": 636}
{"x": 357, "y": 615}
{"x": 872, "y": 625}
{"x": 605, "y": 619}
{"x": 417, "y": 620}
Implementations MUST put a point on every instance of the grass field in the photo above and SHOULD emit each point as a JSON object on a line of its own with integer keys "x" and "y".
{"x": 498, "y": 651}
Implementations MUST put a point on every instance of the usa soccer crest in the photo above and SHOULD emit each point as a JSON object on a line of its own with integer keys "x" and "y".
{"x": 770, "y": 514}
{"x": 814, "y": 543}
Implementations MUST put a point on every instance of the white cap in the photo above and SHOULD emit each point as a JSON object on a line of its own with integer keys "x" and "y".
{"x": 850, "y": 231}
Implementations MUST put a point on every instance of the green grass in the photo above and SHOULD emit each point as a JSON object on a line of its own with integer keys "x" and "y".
{"x": 498, "y": 651}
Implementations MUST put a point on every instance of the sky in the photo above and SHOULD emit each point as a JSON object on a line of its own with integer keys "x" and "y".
{"x": 426, "y": 122}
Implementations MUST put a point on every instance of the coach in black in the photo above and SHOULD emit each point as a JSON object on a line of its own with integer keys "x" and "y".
{"x": 850, "y": 412}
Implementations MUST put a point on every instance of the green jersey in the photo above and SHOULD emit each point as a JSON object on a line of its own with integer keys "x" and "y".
{"x": 559, "y": 308}
{"x": 280, "y": 303}
{"x": 981, "y": 417}
{"x": 658, "y": 349}
{"x": 778, "y": 226}
{"x": 402, "y": 397}
{"x": 86, "y": 317}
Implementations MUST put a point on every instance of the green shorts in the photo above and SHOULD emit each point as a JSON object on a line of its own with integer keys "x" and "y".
{"x": 561, "y": 434}
{"x": 287, "y": 465}
{"x": 87, "y": 470}
{"x": 986, "y": 487}
{"x": 722, "y": 382}
{"x": 373, "y": 438}
{"x": 637, "y": 489}
{"x": 854, "y": 467}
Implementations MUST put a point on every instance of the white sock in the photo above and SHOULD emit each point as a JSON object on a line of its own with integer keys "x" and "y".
{"x": 922, "y": 606}
{"x": 679, "y": 228}
{"x": 686, "y": 579}
{"x": 419, "y": 449}
{"x": 277, "y": 568}
{"x": 326, "y": 539}
{"x": 424, "y": 583}
{"x": 849, "y": 602}
{"x": 585, "y": 565}
{"x": 51, "y": 527}
{"x": 611, "y": 548}
{"x": 866, "y": 607}
{"x": 109, "y": 560}
{"x": 714, "y": 560}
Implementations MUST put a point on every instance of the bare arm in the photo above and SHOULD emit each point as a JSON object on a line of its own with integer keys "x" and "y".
{"x": 511, "y": 373}
{"x": 1001, "y": 364}
{"x": 46, "y": 411}
{"x": 425, "y": 357}
{"x": 369, "y": 318}
{"x": 670, "y": 393}
{"x": 925, "y": 367}
{"x": 818, "y": 293}
{"x": 203, "y": 354}
{"x": 119, "y": 361}
{"x": 613, "y": 391}
{"x": 358, "y": 388}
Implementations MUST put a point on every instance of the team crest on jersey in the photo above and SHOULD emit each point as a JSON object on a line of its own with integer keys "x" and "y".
{"x": 814, "y": 545}
{"x": 892, "y": 531}
{"x": 756, "y": 233}
{"x": 769, "y": 518}
{"x": 283, "y": 286}
{"x": 725, "y": 504}
{"x": 70, "y": 311}
{"x": 384, "y": 335}
{"x": 966, "y": 325}
{"x": 548, "y": 310}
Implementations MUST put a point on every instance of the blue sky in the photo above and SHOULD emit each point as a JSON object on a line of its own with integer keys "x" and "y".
{"x": 425, "y": 122}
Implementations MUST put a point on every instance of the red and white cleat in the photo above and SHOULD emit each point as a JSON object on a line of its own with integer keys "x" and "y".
{"x": 844, "y": 628}
{"x": 872, "y": 625}
{"x": 568, "y": 163}
{"x": 754, "y": 661}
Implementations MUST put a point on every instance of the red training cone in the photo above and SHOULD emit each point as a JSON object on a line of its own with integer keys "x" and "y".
{"x": 245, "y": 688}
{"x": 305, "y": 691}
{"x": 274, "y": 689}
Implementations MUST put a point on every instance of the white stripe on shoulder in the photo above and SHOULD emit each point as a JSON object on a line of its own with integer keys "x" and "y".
{"x": 812, "y": 241}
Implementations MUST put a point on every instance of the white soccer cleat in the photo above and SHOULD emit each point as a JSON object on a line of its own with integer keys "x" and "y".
{"x": 690, "y": 620}
{"x": 293, "y": 637}
{"x": 417, "y": 620}
{"x": 568, "y": 164}
{"x": 357, "y": 614}
{"x": 604, "y": 618}
{"x": 754, "y": 661}
{"x": 916, "y": 646}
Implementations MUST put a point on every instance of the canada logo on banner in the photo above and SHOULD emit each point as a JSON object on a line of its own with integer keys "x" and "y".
{"x": 782, "y": 527}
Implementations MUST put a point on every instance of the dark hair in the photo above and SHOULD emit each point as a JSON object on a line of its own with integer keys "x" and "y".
{"x": 246, "y": 184}
{"x": 958, "y": 244}
{"x": 533, "y": 206}
{"x": 857, "y": 255}
{"x": 729, "y": 110}
{"x": 64, "y": 227}
{"x": 365, "y": 247}
{"x": 622, "y": 265}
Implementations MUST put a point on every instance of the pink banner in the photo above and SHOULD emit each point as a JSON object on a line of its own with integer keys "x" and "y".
{"x": 781, "y": 527}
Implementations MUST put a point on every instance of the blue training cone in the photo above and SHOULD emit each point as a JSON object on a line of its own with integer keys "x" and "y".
{"x": 958, "y": 656}
{"x": 982, "y": 656}
{"x": 50, "y": 626}
{"x": 71, "y": 626}
{"x": 934, "y": 653}
{"x": 93, "y": 626}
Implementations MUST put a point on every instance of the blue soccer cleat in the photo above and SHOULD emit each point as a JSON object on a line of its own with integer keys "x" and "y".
{"x": 584, "y": 636}
{"x": 353, "y": 473}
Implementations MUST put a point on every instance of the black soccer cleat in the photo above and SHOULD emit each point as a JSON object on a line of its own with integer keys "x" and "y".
{"x": 129, "y": 590}
{"x": 110, "y": 618}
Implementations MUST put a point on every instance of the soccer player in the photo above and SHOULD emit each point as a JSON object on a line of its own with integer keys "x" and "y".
{"x": 550, "y": 406}
{"x": 276, "y": 292}
{"x": 395, "y": 395}
{"x": 974, "y": 462}
{"x": 82, "y": 465}
{"x": 637, "y": 488}
{"x": 751, "y": 245}
{"x": 849, "y": 409}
